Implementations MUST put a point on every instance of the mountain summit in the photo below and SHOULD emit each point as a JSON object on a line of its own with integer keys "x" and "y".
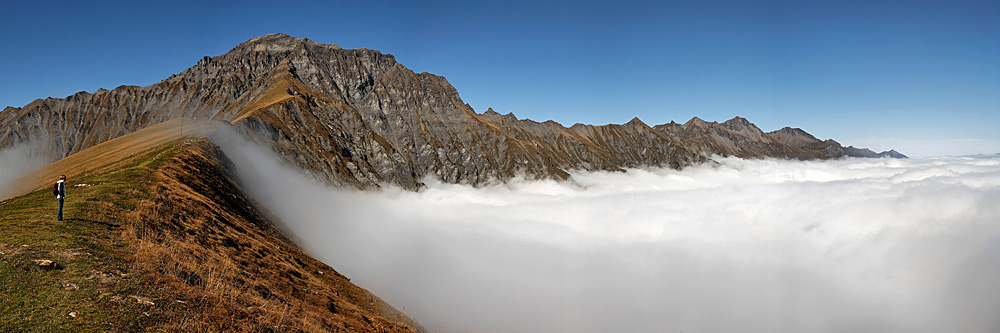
{"x": 356, "y": 117}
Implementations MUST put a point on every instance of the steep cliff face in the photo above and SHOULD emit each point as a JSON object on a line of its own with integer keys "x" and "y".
{"x": 358, "y": 118}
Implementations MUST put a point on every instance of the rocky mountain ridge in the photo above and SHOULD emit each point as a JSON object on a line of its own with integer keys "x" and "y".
{"x": 356, "y": 117}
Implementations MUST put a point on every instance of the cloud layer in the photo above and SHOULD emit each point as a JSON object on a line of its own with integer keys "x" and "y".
{"x": 763, "y": 245}
{"x": 15, "y": 162}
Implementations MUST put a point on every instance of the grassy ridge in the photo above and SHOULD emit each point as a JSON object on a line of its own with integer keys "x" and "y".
{"x": 91, "y": 275}
{"x": 167, "y": 240}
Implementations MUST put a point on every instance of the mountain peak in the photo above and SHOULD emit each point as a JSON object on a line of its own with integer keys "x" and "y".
{"x": 794, "y": 137}
{"x": 273, "y": 43}
{"x": 635, "y": 122}
{"x": 696, "y": 122}
{"x": 278, "y": 43}
{"x": 738, "y": 123}
{"x": 281, "y": 38}
{"x": 272, "y": 36}
{"x": 738, "y": 120}
{"x": 790, "y": 130}
{"x": 745, "y": 128}
{"x": 892, "y": 153}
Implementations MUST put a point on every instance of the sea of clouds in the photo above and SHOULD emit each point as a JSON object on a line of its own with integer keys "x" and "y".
{"x": 881, "y": 245}
{"x": 737, "y": 245}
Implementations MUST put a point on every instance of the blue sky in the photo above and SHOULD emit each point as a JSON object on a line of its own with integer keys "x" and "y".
{"x": 919, "y": 76}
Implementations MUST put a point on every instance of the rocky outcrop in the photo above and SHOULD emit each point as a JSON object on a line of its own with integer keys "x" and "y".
{"x": 358, "y": 118}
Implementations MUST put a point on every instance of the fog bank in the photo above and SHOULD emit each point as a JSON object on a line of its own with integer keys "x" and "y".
{"x": 15, "y": 162}
{"x": 763, "y": 245}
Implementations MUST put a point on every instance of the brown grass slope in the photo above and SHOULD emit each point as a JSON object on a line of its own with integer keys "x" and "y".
{"x": 166, "y": 240}
{"x": 123, "y": 147}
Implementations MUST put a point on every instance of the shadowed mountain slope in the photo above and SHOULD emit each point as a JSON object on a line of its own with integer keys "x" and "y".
{"x": 358, "y": 118}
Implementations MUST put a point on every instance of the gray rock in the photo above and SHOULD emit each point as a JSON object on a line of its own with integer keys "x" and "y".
{"x": 357, "y": 118}
{"x": 142, "y": 300}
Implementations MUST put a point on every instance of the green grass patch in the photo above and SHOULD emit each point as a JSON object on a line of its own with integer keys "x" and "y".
{"x": 88, "y": 287}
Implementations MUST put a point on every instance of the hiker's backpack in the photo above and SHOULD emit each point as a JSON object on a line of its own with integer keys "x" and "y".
{"x": 55, "y": 188}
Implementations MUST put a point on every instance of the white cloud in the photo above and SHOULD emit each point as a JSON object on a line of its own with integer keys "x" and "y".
{"x": 16, "y": 162}
{"x": 762, "y": 245}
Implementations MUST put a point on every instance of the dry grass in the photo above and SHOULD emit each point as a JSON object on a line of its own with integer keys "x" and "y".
{"x": 92, "y": 276}
{"x": 167, "y": 241}
{"x": 202, "y": 238}
{"x": 121, "y": 150}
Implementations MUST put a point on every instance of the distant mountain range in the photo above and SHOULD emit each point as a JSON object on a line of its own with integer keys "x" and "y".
{"x": 356, "y": 117}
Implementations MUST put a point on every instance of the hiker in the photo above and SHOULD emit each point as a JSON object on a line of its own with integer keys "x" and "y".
{"x": 60, "y": 192}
